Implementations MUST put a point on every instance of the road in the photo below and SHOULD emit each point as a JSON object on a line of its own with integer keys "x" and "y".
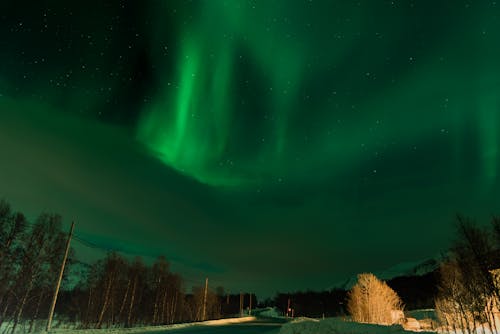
{"x": 254, "y": 327}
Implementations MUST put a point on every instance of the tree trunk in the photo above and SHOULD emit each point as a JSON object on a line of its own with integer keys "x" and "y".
{"x": 112, "y": 311}
{"x": 491, "y": 316}
{"x": 6, "y": 308}
{"x": 20, "y": 309}
{"x": 132, "y": 297}
{"x": 155, "y": 308}
{"x": 122, "y": 307}
{"x": 36, "y": 311}
{"x": 2, "y": 296}
{"x": 86, "y": 323}
{"x": 105, "y": 303}
{"x": 465, "y": 320}
{"x": 174, "y": 308}
{"x": 4, "y": 284}
{"x": 164, "y": 306}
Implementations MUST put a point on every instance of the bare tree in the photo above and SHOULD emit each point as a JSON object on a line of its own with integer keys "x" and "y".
{"x": 160, "y": 278}
{"x": 469, "y": 296}
{"x": 138, "y": 272}
{"x": 452, "y": 304}
{"x": 111, "y": 269}
{"x": 115, "y": 293}
{"x": 373, "y": 301}
{"x": 12, "y": 228}
{"x": 37, "y": 258}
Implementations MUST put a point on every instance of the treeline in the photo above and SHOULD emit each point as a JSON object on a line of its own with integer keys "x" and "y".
{"x": 312, "y": 304}
{"x": 469, "y": 287}
{"x": 416, "y": 292}
{"x": 122, "y": 293}
{"x": 117, "y": 292}
{"x": 30, "y": 257}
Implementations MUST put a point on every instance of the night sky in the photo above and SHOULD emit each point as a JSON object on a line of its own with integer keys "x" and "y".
{"x": 271, "y": 145}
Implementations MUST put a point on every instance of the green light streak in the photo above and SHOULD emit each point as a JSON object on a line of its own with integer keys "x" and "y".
{"x": 330, "y": 95}
{"x": 196, "y": 141}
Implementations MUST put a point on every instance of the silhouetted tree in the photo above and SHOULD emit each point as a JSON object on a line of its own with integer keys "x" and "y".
{"x": 12, "y": 228}
{"x": 38, "y": 260}
{"x": 116, "y": 292}
{"x": 468, "y": 292}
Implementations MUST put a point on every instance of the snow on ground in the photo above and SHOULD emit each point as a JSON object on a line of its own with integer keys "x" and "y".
{"x": 338, "y": 326}
{"x": 226, "y": 321}
{"x": 219, "y": 322}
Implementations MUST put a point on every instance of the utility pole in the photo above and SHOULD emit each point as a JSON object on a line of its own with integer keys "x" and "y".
{"x": 56, "y": 292}
{"x": 241, "y": 304}
{"x": 250, "y": 305}
{"x": 205, "y": 300}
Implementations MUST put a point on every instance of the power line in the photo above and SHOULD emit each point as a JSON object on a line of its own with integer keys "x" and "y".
{"x": 90, "y": 244}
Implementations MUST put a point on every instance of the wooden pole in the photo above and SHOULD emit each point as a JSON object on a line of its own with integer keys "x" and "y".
{"x": 241, "y": 304}
{"x": 205, "y": 300}
{"x": 56, "y": 292}
{"x": 250, "y": 305}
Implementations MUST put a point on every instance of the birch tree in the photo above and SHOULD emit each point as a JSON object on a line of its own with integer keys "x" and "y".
{"x": 373, "y": 301}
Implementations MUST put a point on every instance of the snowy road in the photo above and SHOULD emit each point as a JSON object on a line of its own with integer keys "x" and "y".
{"x": 255, "y": 327}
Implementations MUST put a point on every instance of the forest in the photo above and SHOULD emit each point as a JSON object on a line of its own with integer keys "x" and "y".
{"x": 120, "y": 291}
{"x": 464, "y": 290}
{"x": 117, "y": 292}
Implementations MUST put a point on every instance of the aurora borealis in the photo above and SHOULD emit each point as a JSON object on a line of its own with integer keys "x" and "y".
{"x": 272, "y": 145}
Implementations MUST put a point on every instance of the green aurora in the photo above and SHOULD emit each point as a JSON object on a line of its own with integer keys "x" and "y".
{"x": 295, "y": 54}
{"x": 327, "y": 134}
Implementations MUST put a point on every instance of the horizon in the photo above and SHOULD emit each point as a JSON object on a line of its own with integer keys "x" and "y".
{"x": 269, "y": 147}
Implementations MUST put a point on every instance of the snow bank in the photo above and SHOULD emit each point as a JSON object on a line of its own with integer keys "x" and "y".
{"x": 229, "y": 321}
{"x": 121, "y": 330}
{"x": 134, "y": 330}
{"x": 337, "y": 326}
{"x": 218, "y": 322}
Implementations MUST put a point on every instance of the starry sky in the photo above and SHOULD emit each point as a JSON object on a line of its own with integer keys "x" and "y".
{"x": 270, "y": 145}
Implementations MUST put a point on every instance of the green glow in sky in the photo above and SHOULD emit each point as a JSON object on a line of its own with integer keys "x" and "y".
{"x": 191, "y": 124}
{"x": 330, "y": 92}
